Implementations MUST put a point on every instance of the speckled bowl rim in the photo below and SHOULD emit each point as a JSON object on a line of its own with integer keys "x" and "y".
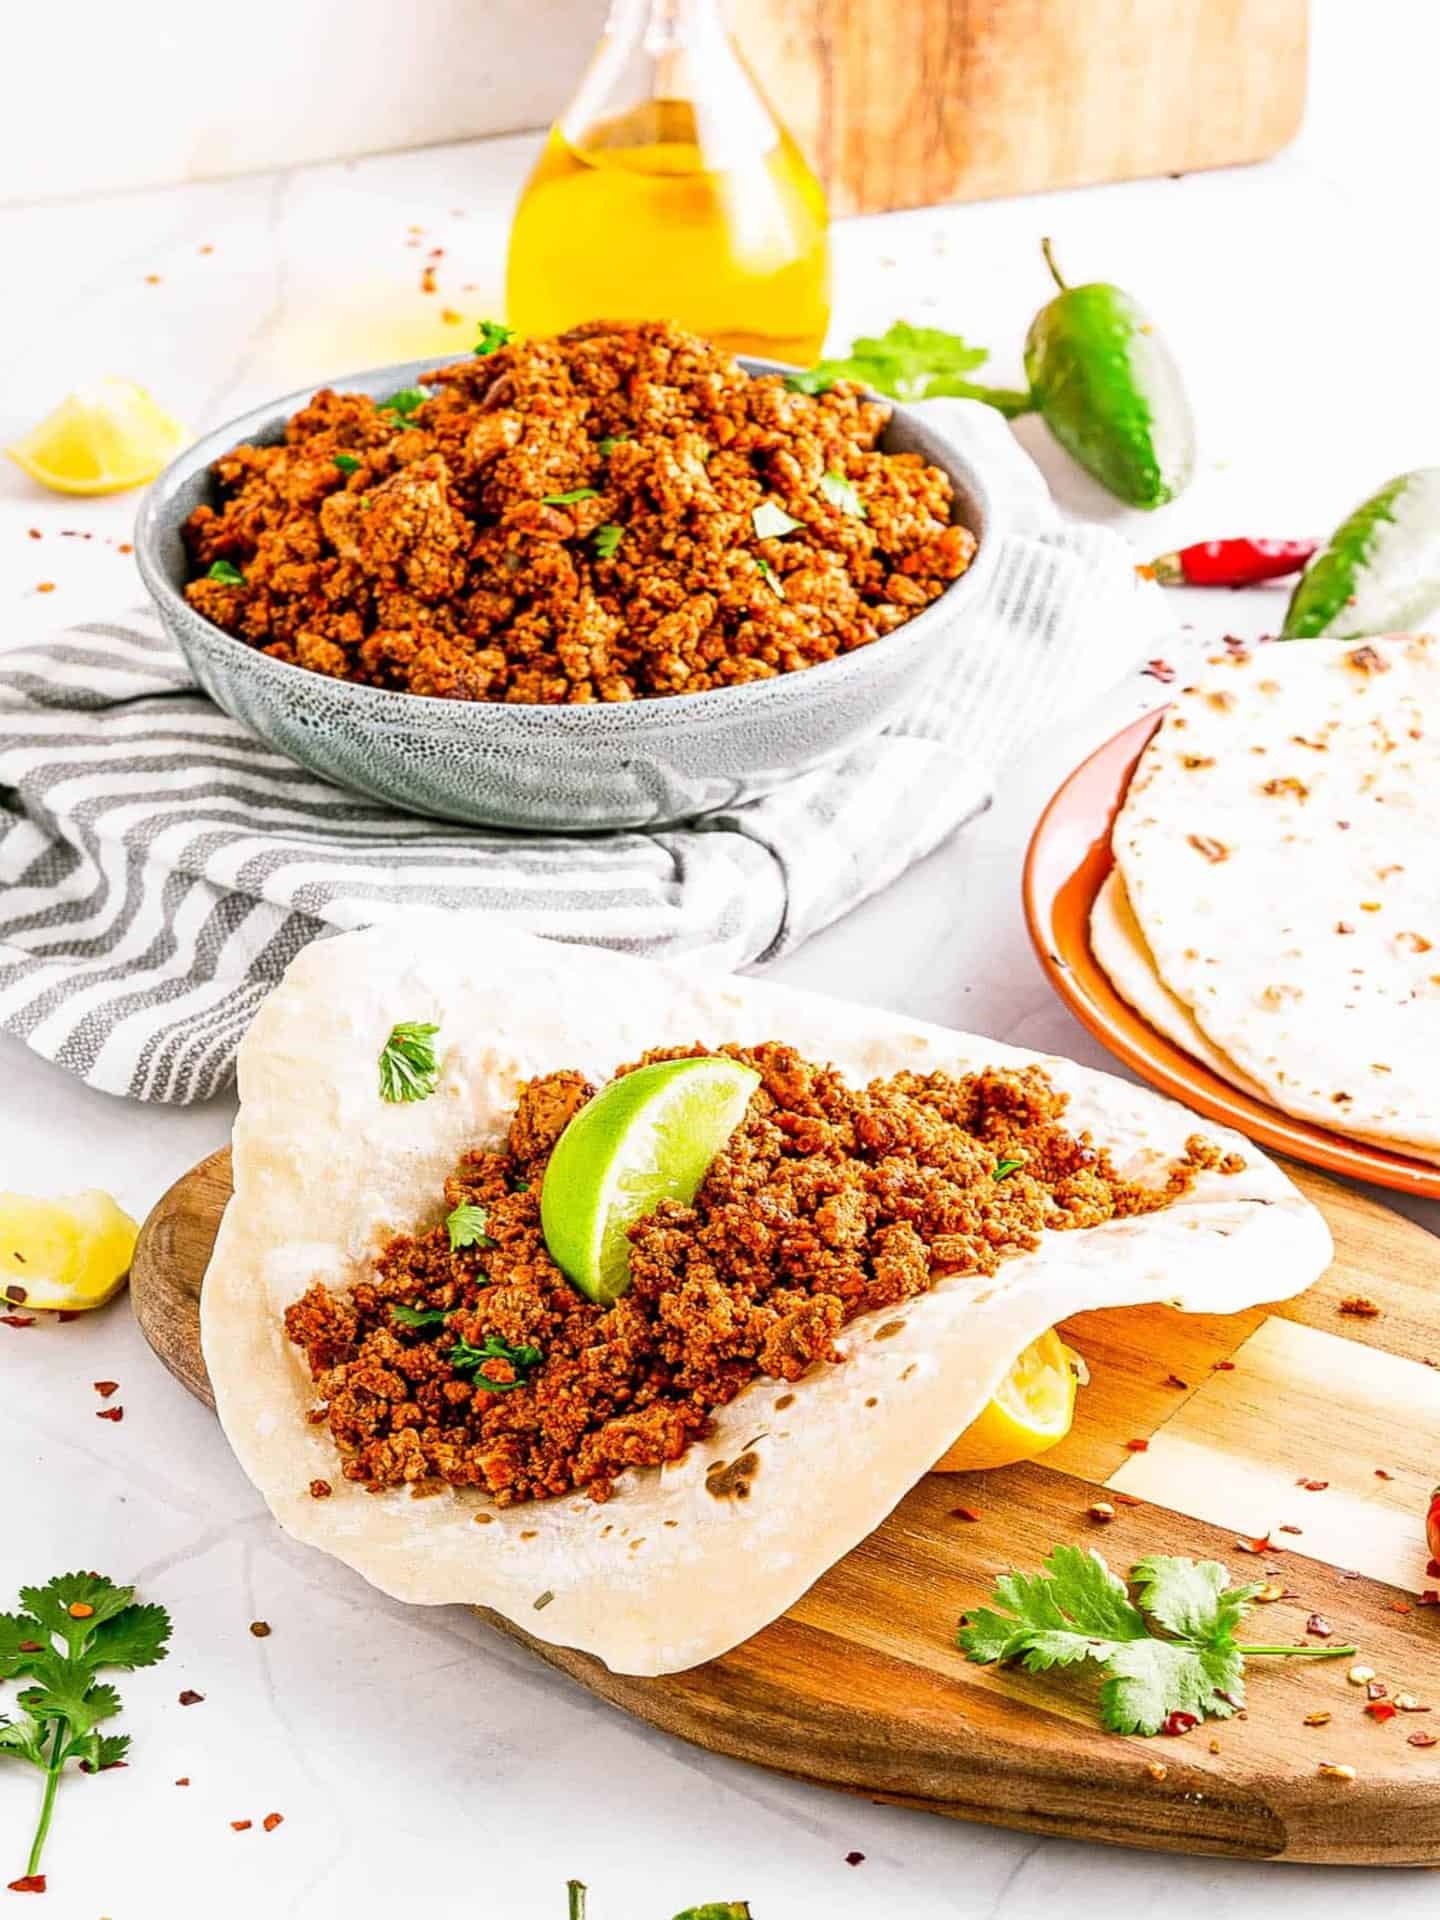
{"x": 720, "y": 705}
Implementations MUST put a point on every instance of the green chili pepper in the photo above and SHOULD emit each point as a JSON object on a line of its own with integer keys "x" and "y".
{"x": 1110, "y": 392}
{"x": 1379, "y": 572}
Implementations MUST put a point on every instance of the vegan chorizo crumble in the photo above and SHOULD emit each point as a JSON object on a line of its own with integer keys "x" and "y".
{"x": 615, "y": 514}
{"x": 479, "y": 1365}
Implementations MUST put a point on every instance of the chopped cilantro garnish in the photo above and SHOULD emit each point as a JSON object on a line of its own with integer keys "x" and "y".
{"x": 612, "y": 440}
{"x": 812, "y": 380}
{"x": 408, "y": 1070}
{"x": 1078, "y": 1610}
{"x": 225, "y": 573}
{"x": 466, "y": 1227}
{"x": 771, "y": 578}
{"x": 404, "y": 402}
{"x": 346, "y": 462}
{"x": 465, "y": 1358}
{"x": 841, "y": 493}
{"x": 569, "y": 499}
{"x": 771, "y": 522}
{"x": 607, "y": 540}
{"x": 426, "y": 1317}
{"x": 1004, "y": 1168}
{"x": 492, "y": 337}
{"x": 63, "y": 1705}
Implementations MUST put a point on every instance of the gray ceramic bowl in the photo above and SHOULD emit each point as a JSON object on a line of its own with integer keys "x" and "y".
{"x": 648, "y": 763}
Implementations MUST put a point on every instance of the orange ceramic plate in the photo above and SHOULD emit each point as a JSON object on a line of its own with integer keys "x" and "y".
{"x": 1065, "y": 867}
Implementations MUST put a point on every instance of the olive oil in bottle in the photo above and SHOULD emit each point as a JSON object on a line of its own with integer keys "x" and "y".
{"x": 668, "y": 190}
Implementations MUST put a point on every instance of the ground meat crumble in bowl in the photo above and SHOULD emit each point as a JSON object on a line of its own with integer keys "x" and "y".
{"x": 611, "y": 579}
{"x": 482, "y": 1367}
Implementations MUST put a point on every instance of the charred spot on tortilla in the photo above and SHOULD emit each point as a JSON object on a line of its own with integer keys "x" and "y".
{"x": 731, "y": 1480}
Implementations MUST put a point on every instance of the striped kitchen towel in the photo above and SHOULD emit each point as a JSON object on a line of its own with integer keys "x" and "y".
{"x": 159, "y": 868}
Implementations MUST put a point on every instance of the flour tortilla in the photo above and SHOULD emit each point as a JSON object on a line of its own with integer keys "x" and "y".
{"x": 1119, "y": 945}
{"x": 1300, "y": 925}
{"x": 669, "y": 1572}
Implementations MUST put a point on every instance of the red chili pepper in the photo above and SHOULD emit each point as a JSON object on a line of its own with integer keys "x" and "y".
{"x": 1229, "y": 563}
{"x": 1432, "y": 1527}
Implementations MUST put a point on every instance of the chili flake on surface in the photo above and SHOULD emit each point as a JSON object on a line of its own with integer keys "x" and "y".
{"x": 829, "y": 1202}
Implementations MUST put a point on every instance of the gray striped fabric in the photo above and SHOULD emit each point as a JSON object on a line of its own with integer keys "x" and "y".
{"x": 159, "y": 868}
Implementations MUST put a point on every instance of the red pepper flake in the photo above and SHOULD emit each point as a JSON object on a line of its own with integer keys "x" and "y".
{"x": 1359, "y": 1306}
{"x": 206, "y": 249}
{"x": 1174, "y": 1380}
{"x": 1137, "y": 1446}
{"x": 110, "y": 1413}
{"x": 1319, "y": 1626}
{"x": 85, "y": 1766}
{"x": 1381, "y": 1473}
{"x": 1125, "y": 1499}
{"x": 320, "y": 1489}
{"x": 1224, "y": 1366}
{"x": 1158, "y": 1770}
{"x": 1177, "y": 1723}
{"x": 427, "y": 280}
{"x": 1289, "y": 1529}
{"x": 105, "y": 1387}
{"x": 1422, "y": 1740}
{"x": 1376, "y": 1690}
{"x": 35, "y": 533}
{"x": 183, "y": 1781}
{"x": 44, "y": 586}
{"x": 450, "y": 317}
{"x": 189, "y": 1698}
{"x": 80, "y": 1610}
{"x": 1263, "y": 1545}
{"x": 17, "y": 1319}
{"x": 242, "y": 1826}
{"x": 30, "y": 1883}
{"x": 260, "y": 1629}
{"x": 30, "y": 1646}
{"x": 964, "y": 1513}
{"x": 1313, "y": 1486}
{"x": 124, "y": 547}
{"x": 1432, "y": 1567}
{"x": 152, "y": 279}
{"x": 853, "y": 1859}
{"x": 1160, "y": 670}
{"x": 1401, "y": 1606}
{"x": 272, "y": 1821}
{"x": 1381, "y": 1710}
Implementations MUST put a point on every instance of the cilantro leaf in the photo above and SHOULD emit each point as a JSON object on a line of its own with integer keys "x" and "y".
{"x": 465, "y": 1358}
{"x": 408, "y": 1068}
{"x": 607, "y": 540}
{"x": 770, "y": 577}
{"x": 424, "y": 1317}
{"x": 771, "y": 522}
{"x": 569, "y": 499}
{"x": 913, "y": 363}
{"x": 608, "y": 445}
{"x": 346, "y": 462}
{"x": 1077, "y": 1610}
{"x": 226, "y": 573}
{"x": 466, "y": 1227}
{"x": 841, "y": 493}
{"x": 405, "y": 402}
{"x": 73, "y": 1627}
{"x": 1003, "y": 1169}
{"x": 718, "y": 1910}
{"x": 492, "y": 337}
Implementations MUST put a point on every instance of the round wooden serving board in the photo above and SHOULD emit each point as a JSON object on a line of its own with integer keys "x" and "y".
{"x": 860, "y": 1685}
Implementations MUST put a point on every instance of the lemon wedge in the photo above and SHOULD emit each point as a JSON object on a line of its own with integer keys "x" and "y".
{"x": 1031, "y": 1411}
{"x": 63, "y": 1254}
{"x": 101, "y": 439}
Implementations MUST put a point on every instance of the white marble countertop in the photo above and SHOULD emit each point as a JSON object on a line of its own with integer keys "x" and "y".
{"x": 421, "y": 1763}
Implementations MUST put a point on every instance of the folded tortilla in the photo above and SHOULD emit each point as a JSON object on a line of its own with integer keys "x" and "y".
{"x": 686, "y": 1560}
{"x": 1278, "y": 848}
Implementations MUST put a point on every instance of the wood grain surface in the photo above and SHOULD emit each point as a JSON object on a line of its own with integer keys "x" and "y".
{"x": 860, "y": 1686}
{"x": 903, "y": 106}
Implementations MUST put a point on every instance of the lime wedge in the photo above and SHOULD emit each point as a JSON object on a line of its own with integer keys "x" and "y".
{"x": 649, "y": 1136}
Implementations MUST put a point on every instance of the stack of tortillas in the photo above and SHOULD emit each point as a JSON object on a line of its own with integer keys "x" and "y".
{"x": 1274, "y": 908}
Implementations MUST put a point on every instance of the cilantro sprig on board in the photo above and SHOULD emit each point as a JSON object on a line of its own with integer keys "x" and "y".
{"x": 408, "y": 1066}
{"x": 577, "y": 1892}
{"x": 913, "y": 363}
{"x": 1169, "y": 1651}
{"x": 68, "y": 1632}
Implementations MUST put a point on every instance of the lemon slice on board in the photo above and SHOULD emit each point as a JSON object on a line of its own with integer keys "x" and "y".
{"x": 1030, "y": 1413}
{"x": 63, "y": 1254}
{"x": 100, "y": 439}
{"x": 648, "y": 1136}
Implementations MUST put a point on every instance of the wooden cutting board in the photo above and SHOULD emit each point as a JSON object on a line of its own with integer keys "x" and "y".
{"x": 860, "y": 1685}
{"x": 903, "y": 106}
